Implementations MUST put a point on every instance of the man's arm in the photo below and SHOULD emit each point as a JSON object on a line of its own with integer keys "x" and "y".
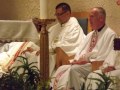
{"x": 69, "y": 40}
{"x": 61, "y": 57}
{"x": 108, "y": 69}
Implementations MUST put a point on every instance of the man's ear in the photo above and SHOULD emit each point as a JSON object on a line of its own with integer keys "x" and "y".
{"x": 101, "y": 18}
{"x": 68, "y": 13}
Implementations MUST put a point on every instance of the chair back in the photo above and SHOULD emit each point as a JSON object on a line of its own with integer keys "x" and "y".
{"x": 84, "y": 24}
{"x": 83, "y": 19}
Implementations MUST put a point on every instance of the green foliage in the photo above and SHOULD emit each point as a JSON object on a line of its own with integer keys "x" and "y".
{"x": 44, "y": 85}
{"x": 104, "y": 83}
{"x": 11, "y": 81}
{"x": 27, "y": 79}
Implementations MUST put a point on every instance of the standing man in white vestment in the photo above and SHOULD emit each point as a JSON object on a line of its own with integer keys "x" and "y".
{"x": 66, "y": 35}
{"x": 95, "y": 50}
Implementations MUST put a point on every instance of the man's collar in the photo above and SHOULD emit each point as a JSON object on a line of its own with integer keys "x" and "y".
{"x": 67, "y": 23}
{"x": 101, "y": 28}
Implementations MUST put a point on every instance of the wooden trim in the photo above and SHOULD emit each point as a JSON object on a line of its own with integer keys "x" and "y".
{"x": 96, "y": 65}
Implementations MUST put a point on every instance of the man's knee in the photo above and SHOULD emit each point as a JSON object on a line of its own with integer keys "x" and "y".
{"x": 74, "y": 68}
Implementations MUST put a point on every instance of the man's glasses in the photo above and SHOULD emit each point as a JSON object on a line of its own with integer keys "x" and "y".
{"x": 59, "y": 14}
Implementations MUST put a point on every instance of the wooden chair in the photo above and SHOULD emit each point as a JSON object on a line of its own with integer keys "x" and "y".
{"x": 83, "y": 19}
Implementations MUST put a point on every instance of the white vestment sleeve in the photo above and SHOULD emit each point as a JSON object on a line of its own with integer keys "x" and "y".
{"x": 67, "y": 36}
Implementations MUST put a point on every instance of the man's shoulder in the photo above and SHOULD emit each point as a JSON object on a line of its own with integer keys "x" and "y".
{"x": 53, "y": 27}
{"x": 73, "y": 20}
{"x": 111, "y": 31}
{"x": 107, "y": 31}
{"x": 90, "y": 33}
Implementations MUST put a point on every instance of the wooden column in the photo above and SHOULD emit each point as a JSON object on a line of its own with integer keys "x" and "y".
{"x": 44, "y": 51}
{"x": 44, "y": 47}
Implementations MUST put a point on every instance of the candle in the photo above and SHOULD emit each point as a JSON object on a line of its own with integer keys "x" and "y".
{"x": 43, "y": 9}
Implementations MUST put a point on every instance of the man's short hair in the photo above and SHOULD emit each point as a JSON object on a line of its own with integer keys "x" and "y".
{"x": 64, "y": 6}
{"x": 101, "y": 11}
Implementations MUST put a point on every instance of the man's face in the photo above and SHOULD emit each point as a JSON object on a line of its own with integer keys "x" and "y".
{"x": 61, "y": 15}
{"x": 118, "y": 2}
{"x": 94, "y": 19}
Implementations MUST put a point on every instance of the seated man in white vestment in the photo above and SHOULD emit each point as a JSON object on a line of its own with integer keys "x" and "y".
{"x": 67, "y": 34}
{"x": 10, "y": 52}
{"x": 111, "y": 68}
{"x": 95, "y": 50}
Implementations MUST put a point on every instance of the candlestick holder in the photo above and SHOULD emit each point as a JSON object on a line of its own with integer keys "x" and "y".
{"x": 44, "y": 46}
